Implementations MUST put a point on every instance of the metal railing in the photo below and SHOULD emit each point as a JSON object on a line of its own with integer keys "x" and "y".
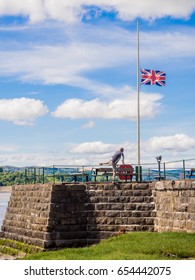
{"x": 173, "y": 170}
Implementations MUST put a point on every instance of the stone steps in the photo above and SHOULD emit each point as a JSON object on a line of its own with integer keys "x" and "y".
{"x": 77, "y": 214}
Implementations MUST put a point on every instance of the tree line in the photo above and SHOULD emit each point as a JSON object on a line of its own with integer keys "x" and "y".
{"x": 10, "y": 178}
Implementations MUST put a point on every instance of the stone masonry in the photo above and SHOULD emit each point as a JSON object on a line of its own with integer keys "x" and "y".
{"x": 80, "y": 214}
{"x": 77, "y": 214}
{"x": 175, "y": 206}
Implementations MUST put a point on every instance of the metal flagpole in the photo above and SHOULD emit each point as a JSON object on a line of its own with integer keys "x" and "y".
{"x": 138, "y": 103}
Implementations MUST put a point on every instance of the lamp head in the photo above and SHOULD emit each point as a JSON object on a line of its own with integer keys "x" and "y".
{"x": 159, "y": 158}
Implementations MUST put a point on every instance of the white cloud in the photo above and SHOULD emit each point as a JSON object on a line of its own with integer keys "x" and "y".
{"x": 21, "y": 111}
{"x": 177, "y": 142}
{"x": 61, "y": 64}
{"x": 151, "y": 9}
{"x": 96, "y": 147}
{"x": 173, "y": 147}
{"x": 115, "y": 109}
{"x": 169, "y": 44}
{"x": 8, "y": 148}
{"x": 90, "y": 124}
{"x": 22, "y": 159}
{"x": 32, "y": 8}
{"x": 71, "y": 62}
{"x": 97, "y": 151}
{"x": 74, "y": 10}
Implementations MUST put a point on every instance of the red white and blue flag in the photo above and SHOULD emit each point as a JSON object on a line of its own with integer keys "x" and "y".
{"x": 153, "y": 77}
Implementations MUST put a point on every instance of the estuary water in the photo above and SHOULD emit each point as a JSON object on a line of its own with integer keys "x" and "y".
{"x": 4, "y": 198}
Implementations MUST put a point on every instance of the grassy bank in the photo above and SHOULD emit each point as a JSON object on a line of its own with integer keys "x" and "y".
{"x": 131, "y": 246}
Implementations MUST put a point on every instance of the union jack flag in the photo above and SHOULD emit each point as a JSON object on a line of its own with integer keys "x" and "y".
{"x": 153, "y": 77}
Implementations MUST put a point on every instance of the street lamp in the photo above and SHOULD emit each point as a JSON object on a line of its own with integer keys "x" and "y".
{"x": 159, "y": 158}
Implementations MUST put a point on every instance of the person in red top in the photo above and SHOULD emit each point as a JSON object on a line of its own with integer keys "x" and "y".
{"x": 115, "y": 159}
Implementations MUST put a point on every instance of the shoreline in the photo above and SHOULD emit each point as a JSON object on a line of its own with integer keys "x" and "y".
{"x": 5, "y": 189}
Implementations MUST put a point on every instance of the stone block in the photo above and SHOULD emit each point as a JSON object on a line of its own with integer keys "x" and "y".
{"x": 120, "y": 221}
{"x": 183, "y": 207}
{"x": 192, "y": 217}
{"x": 102, "y": 206}
{"x": 116, "y": 206}
{"x": 113, "y": 199}
{"x": 101, "y": 220}
{"x": 191, "y": 208}
{"x": 113, "y": 213}
{"x": 190, "y": 225}
{"x": 130, "y": 206}
{"x": 145, "y": 206}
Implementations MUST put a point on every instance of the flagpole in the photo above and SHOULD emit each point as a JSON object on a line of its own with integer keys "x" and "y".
{"x": 138, "y": 103}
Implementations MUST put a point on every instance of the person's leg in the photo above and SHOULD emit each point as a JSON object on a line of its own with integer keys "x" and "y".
{"x": 114, "y": 171}
{"x": 106, "y": 163}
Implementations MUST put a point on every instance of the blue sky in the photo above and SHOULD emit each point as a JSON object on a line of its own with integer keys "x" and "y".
{"x": 68, "y": 80}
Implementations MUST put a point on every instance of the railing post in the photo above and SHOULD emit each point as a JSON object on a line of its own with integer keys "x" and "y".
{"x": 138, "y": 171}
{"x": 184, "y": 169}
{"x": 83, "y": 174}
{"x": 164, "y": 170}
{"x": 149, "y": 174}
{"x": 43, "y": 175}
{"x": 34, "y": 175}
{"x": 54, "y": 174}
{"x": 25, "y": 176}
{"x": 39, "y": 176}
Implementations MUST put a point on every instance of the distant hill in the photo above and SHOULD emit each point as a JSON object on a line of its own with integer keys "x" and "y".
{"x": 9, "y": 168}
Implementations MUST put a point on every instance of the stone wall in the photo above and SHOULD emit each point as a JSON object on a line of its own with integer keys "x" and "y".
{"x": 77, "y": 214}
{"x": 81, "y": 214}
{"x": 175, "y": 206}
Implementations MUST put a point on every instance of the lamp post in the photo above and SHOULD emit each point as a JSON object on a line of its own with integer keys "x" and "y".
{"x": 159, "y": 158}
